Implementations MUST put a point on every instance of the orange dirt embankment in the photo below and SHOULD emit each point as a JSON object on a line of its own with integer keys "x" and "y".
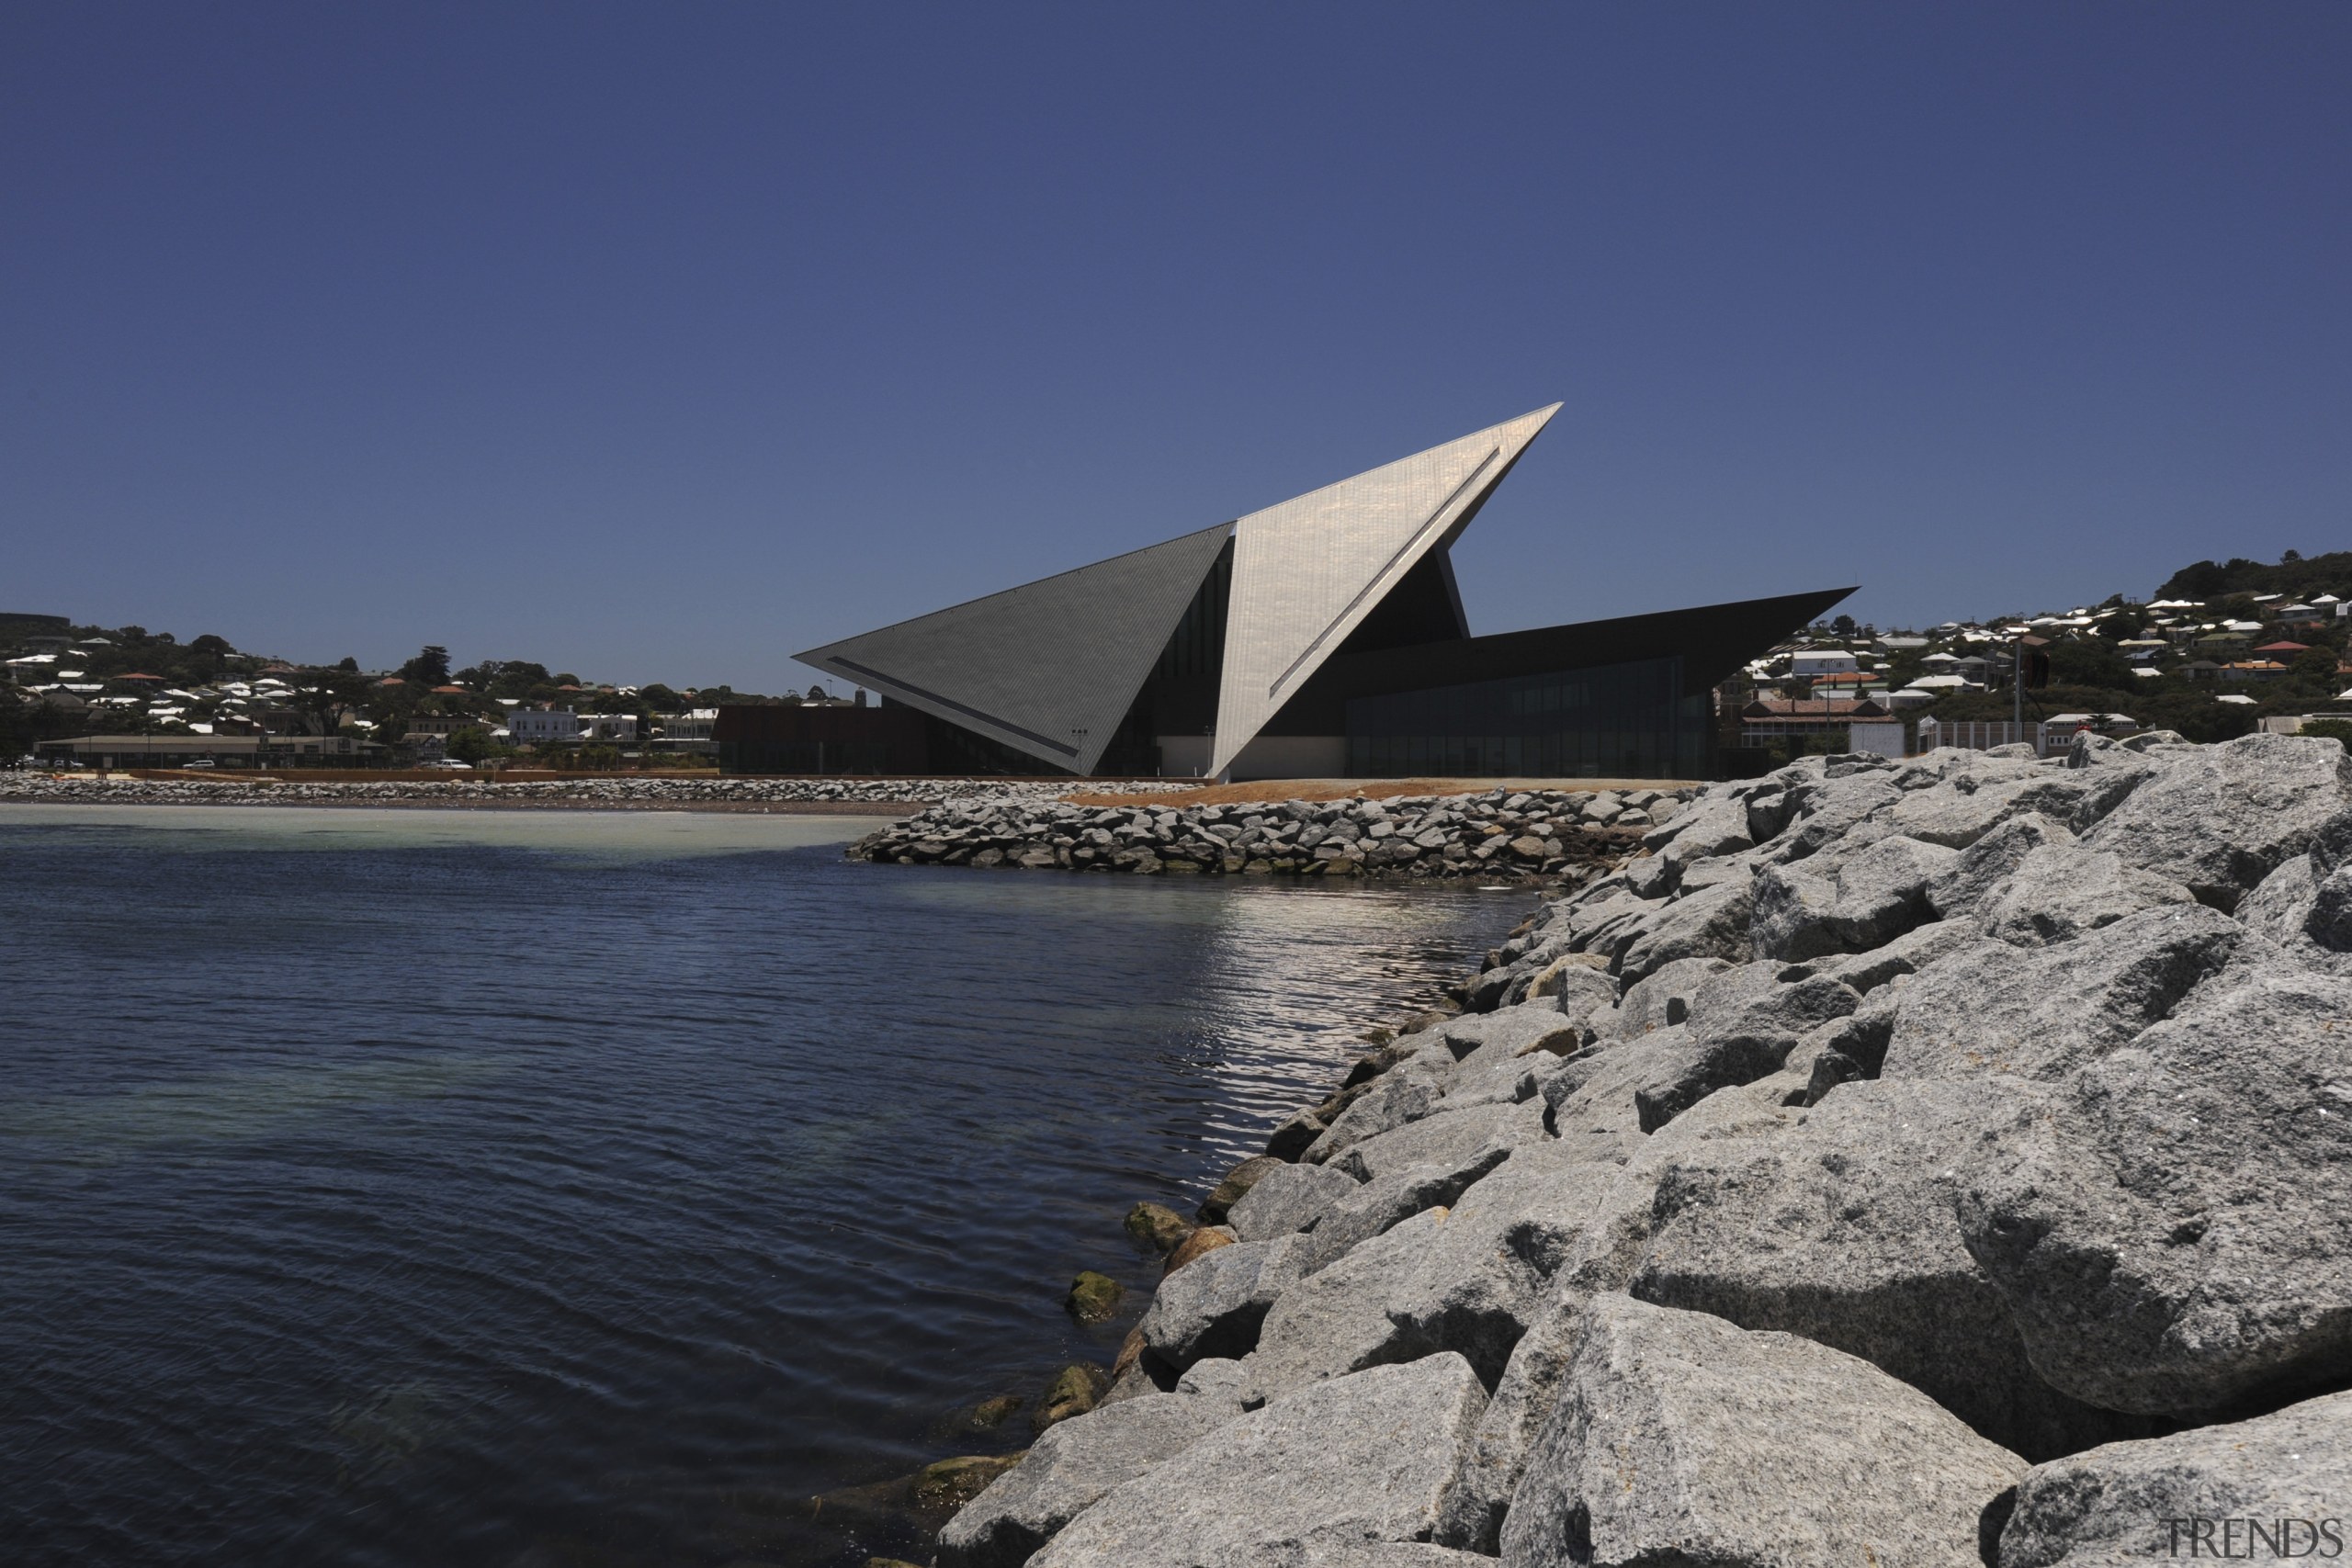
{"x": 1347, "y": 789}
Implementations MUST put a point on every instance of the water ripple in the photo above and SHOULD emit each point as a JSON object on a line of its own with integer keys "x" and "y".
{"x": 425, "y": 1187}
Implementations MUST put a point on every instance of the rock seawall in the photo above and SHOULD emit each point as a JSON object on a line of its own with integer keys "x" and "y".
{"x": 1499, "y": 834}
{"x": 1939, "y": 1162}
{"x": 203, "y": 787}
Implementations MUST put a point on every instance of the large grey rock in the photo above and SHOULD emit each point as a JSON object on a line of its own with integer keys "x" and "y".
{"x": 1290, "y": 1200}
{"x": 2174, "y": 1232}
{"x": 2270, "y": 1488}
{"x": 2281, "y": 901}
{"x": 1386, "y": 1103}
{"x": 1337, "y": 1466}
{"x": 1396, "y": 1194}
{"x": 1712, "y": 827}
{"x": 1597, "y": 927}
{"x": 1766, "y": 1006}
{"x": 1874, "y": 895}
{"x": 1592, "y": 1102}
{"x": 1444, "y": 1138}
{"x": 2058, "y": 892}
{"x": 1987, "y": 862}
{"x": 1337, "y": 1320}
{"x": 1680, "y": 1439}
{"x": 1966, "y": 807}
{"x": 2220, "y": 819}
{"x": 1712, "y": 923}
{"x": 1743, "y": 1024}
{"x": 1479, "y": 1279}
{"x": 1574, "y": 985}
{"x": 1907, "y": 954}
{"x": 1660, "y": 1001}
{"x": 1840, "y": 1228}
{"x": 1507, "y": 1430}
{"x": 1072, "y": 1466}
{"x": 1506, "y": 1029}
{"x": 1994, "y": 1008}
{"x": 2306, "y": 909}
{"x": 1846, "y": 812}
{"x": 1220, "y": 1380}
{"x": 1214, "y": 1305}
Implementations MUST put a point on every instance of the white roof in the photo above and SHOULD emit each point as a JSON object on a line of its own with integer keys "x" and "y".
{"x": 36, "y": 659}
{"x": 2234, "y": 697}
{"x": 1307, "y": 571}
{"x": 2147, "y": 674}
{"x": 1938, "y": 683}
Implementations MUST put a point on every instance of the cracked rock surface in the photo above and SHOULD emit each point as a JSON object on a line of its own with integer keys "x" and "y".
{"x": 1944, "y": 1161}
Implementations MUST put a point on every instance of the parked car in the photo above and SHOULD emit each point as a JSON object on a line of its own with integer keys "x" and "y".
{"x": 199, "y": 762}
{"x": 450, "y": 763}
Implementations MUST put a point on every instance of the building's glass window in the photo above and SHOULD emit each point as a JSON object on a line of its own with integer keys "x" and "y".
{"x": 1614, "y": 721}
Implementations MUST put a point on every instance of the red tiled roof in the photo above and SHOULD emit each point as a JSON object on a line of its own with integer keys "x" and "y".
{"x": 2283, "y": 647}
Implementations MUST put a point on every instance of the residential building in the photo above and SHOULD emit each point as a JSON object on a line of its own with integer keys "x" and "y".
{"x": 1817, "y": 663}
{"x": 541, "y": 727}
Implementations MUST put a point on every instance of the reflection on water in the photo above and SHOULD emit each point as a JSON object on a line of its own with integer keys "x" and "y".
{"x": 413, "y": 1187}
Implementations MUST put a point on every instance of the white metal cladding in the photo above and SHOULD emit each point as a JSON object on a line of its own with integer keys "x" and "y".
{"x": 1306, "y": 573}
{"x": 1049, "y": 668}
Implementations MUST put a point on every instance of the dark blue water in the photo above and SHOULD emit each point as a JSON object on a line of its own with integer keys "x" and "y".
{"x": 412, "y": 1187}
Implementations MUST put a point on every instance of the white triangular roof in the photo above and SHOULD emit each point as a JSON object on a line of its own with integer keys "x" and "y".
{"x": 1306, "y": 572}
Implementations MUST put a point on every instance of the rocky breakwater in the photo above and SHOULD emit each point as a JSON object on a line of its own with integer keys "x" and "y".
{"x": 1499, "y": 834}
{"x": 1943, "y": 1162}
{"x": 605, "y": 791}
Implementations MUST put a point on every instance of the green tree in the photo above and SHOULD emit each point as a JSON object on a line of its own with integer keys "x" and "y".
{"x": 330, "y": 696}
{"x": 213, "y": 654}
{"x": 2090, "y": 661}
{"x": 2314, "y": 672}
{"x": 429, "y": 668}
{"x": 471, "y": 744}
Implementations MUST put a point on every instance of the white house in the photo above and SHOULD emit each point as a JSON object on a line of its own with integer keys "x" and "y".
{"x": 530, "y": 726}
{"x": 1817, "y": 661}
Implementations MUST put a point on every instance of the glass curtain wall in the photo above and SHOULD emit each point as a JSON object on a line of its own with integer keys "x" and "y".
{"x": 1627, "y": 720}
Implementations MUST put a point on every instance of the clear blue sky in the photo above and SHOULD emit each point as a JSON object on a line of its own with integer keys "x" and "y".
{"x": 656, "y": 341}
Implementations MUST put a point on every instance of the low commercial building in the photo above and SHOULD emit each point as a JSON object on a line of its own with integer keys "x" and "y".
{"x": 690, "y": 732}
{"x": 1768, "y": 719}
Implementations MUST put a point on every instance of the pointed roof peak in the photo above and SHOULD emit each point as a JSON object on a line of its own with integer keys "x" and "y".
{"x": 1307, "y": 571}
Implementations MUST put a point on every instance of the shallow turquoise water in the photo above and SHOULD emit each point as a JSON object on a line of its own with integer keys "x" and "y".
{"x": 438, "y": 1187}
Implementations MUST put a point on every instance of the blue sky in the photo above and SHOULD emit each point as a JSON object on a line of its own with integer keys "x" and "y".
{"x": 658, "y": 342}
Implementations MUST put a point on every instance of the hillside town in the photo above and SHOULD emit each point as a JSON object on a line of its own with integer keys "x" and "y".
{"x": 2239, "y": 656}
{"x": 2219, "y": 651}
{"x": 77, "y": 695}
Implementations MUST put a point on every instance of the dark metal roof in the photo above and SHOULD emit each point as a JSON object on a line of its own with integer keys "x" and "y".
{"x": 1714, "y": 640}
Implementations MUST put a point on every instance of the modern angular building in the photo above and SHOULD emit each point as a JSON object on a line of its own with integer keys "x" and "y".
{"x": 1321, "y": 637}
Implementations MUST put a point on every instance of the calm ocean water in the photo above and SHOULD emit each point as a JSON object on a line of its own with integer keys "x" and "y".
{"x": 518, "y": 1189}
